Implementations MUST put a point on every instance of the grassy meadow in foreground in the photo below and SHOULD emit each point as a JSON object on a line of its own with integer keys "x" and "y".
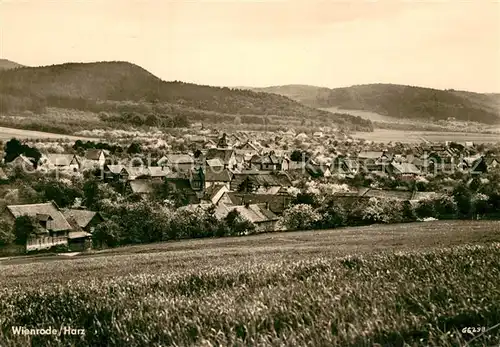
{"x": 395, "y": 284}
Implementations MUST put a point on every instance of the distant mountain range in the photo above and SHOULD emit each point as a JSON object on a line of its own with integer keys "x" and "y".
{"x": 101, "y": 86}
{"x": 398, "y": 101}
{"x": 7, "y": 64}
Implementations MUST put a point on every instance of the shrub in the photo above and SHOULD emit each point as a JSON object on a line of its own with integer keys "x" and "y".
{"x": 107, "y": 233}
{"x": 300, "y": 217}
{"x": 333, "y": 215}
{"x": 237, "y": 224}
{"x": 6, "y": 234}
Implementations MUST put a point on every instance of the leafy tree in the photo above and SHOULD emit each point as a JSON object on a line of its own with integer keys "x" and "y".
{"x": 426, "y": 208}
{"x": 24, "y": 227}
{"x": 333, "y": 214}
{"x": 91, "y": 193}
{"x": 197, "y": 153}
{"x": 180, "y": 121}
{"x": 306, "y": 198}
{"x": 6, "y": 234}
{"x": 222, "y": 143}
{"x": 300, "y": 217}
{"x": 296, "y": 156}
{"x": 62, "y": 194}
{"x": 134, "y": 148}
{"x": 107, "y": 233}
{"x": 463, "y": 196}
{"x": 14, "y": 148}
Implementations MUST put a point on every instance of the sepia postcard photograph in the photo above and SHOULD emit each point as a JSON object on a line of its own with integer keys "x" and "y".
{"x": 249, "y": 173}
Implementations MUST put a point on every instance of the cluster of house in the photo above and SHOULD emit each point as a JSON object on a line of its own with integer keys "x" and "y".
{"x": 233, "y": 173}
{"x": 438, "y": 159}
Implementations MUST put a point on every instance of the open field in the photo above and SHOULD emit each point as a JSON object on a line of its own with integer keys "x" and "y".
{"x": 373, "y": 116}
{"x": 386, "y": 135}
{"x": 8, "y": 133}
{"x": 417, "y": 283}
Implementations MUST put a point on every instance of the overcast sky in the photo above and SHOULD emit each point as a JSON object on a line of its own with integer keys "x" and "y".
{"x": 332, "y": 43}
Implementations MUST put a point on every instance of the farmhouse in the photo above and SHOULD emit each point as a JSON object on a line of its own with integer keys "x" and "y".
{"x": 52, "y": 161}
{"x": 52, "y": 227}
{"x": 218, "y": 177}
{"x": 404, "y": 170}
{"x": 269, "y": 162}
{"x": 258, "y": 214}
{"x": 225, "y": 155}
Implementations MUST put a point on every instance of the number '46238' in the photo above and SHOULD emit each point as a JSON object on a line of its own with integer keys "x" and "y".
{"x": 473, "y": 330}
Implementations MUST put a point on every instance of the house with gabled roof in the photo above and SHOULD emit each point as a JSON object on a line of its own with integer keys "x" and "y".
{"x": 177, "y": 162}
{"x": 259, "y": 181}
{"x": 225, "y": 155}
{"x": 217, "y": 176}
{"x": 97, "y": 156}
{"x": 263, "y": 219}
{"x": 318, "y": 170}
{"x": 85, "y": 219}
{"x": 83, "y": 223}
{"x": 53, "y": 229}
{"x": 23, "y": 162}
{"x": 157, "y": 173}
{"x": 475, "y": 165}
{"x": 345, "y": 166}
{"x": 403, "y": 170}
{"x": 214, "y": 193}
{"x": 269, "y": 162}
{"x": 51, "y": 161}
{"x": 493, "y": 163}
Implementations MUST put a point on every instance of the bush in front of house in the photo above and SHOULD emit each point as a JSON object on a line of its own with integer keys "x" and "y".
{"x": 6, "y": 235}
{"x": 150, "y": 221}
{"x": 333, "y": 214}
{"x": 300, "y": 217}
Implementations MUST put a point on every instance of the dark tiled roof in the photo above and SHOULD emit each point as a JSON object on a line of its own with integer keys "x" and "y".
{"x": 277, "y": 203}
{"x": 93, "y": 154}
{"x": 141, "y": 186}
{"x": 218, "y": 176}
{"x": 59, "y": 222}
{"x": 224, "y": 154}
{"x": 262, "y": 178}
{"x": 82, "y": 217}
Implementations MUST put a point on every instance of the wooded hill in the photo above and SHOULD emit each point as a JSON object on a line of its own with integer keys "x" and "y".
{"x": 7, "y": 64}
{"x": 108, "y": 86}
{"x": 399, "y": 101}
